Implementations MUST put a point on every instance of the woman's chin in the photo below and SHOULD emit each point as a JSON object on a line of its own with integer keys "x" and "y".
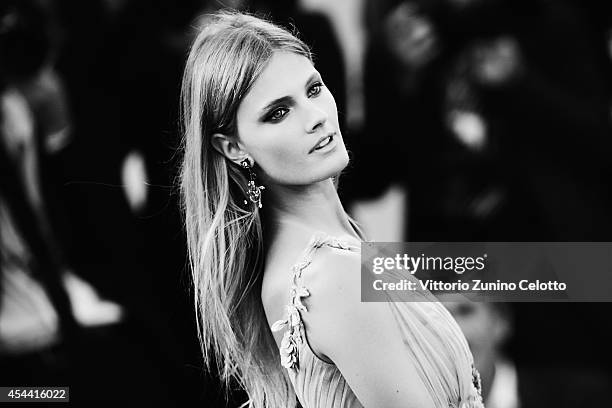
{"x": 338, "y": 161}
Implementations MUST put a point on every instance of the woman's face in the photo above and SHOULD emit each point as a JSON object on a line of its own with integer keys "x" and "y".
{"x": 288, "y": 123}
{"x": 411, "y": 35}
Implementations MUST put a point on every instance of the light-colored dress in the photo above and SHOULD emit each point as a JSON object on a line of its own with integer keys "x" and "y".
{"x": 437, "y": 347}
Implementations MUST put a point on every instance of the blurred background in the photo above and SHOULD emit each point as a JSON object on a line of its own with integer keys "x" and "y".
{"x": 466, "y": 120}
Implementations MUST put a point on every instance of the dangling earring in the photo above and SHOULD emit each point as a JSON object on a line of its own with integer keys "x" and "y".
{"x": 254, "y": 191}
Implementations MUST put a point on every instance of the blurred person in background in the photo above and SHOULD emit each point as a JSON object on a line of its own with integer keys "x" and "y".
{"x": 510, "y": 382}
{"x": 510, "y": 130}
{"x": 431, "y": 118}
{"x": 503, "y": 120}
{"x": 64, "y": 204}
{"x": 550, "y": 111}
{"x": 43, "y": 305}
{"x": 498, "y": 116}
{"x": 121, "y": 62}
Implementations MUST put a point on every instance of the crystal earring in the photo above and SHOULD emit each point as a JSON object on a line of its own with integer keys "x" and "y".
{"x": 254, "y": 191}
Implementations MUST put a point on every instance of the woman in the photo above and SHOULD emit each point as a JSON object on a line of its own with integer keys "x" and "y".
{"x": 274, "y": 256}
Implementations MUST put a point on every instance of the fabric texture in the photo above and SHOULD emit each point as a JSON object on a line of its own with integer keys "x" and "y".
{"x": 436, "y": 345}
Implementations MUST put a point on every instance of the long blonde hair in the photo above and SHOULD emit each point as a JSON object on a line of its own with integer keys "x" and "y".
{"x": 224, "y": 236}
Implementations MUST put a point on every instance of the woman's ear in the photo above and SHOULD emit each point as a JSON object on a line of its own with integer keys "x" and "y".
{"x": 229, "y": 147}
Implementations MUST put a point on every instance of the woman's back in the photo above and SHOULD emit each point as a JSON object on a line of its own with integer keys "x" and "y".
{"x": 435, "y": 367}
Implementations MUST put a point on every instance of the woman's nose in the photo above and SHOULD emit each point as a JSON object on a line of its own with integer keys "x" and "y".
{"x": 316, "y": 118}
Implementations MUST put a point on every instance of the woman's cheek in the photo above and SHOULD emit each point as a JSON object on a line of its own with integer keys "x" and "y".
{"x": 278, "y": 162}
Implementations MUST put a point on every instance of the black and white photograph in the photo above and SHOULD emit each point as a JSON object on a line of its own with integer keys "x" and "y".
{"x": 306, "y": 203}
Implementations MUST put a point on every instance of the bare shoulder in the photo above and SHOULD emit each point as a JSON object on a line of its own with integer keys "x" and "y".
{"x": 362, "y": 339}
{"x": 333, "y": 279}
{"x": 292, "y": 248}
{"x": 334, "y": 274}
{"x": 283, "y": 253}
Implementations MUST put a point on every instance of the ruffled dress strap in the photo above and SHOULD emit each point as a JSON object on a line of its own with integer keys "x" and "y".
{"x": 294, "y": 337}
{"x": 436, "y": 344}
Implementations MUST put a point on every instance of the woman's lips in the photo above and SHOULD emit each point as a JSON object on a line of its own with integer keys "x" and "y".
{"x": 329, "y": 136}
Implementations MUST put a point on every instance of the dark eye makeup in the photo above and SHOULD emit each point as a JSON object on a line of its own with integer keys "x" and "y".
{"x": 276, "y": 114}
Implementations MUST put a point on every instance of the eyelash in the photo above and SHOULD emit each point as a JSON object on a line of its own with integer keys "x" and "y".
{"x": 318, "y": 85}
{"x": 272, "y": 116}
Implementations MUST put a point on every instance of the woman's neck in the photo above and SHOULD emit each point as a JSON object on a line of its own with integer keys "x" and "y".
{"x": 314, "y": 207}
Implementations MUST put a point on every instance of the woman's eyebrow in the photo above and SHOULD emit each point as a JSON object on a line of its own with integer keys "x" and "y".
{"x": 315, "y": 76}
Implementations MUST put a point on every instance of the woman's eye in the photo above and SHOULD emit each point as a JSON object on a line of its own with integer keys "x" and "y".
{"x": 278, "y": 114}
{"x": 315, "y": 89}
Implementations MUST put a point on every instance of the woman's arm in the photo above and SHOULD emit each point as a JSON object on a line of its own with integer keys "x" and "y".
{"x": 362, "y": 339}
